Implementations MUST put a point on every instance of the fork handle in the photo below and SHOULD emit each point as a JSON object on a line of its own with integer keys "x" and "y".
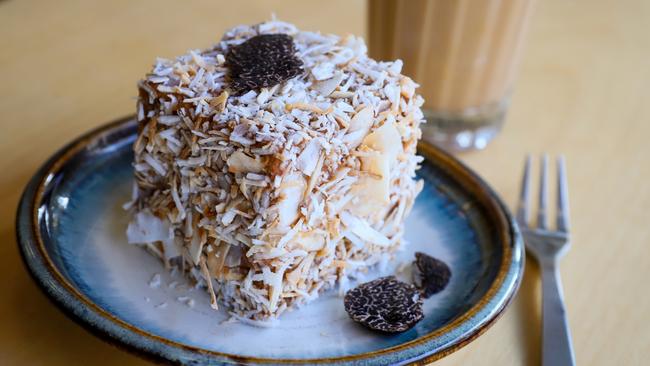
{"x": 557, "y": 349}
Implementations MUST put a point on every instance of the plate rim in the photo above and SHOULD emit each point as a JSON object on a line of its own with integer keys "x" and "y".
{"x": 151, "y": 346}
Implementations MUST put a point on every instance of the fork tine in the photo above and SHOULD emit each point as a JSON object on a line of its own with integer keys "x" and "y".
{"x": 562, "y": 196}
{"x": 543, "y": 195}
{"x": 522, "y": 208}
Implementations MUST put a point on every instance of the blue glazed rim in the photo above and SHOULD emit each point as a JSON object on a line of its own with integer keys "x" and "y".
{"x": 435, "y": 345}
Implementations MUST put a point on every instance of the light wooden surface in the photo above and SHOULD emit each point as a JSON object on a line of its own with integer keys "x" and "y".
{"x": 68, "y": 66}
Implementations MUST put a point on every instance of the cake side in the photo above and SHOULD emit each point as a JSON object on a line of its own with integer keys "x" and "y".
{"x": 269, "y": 196}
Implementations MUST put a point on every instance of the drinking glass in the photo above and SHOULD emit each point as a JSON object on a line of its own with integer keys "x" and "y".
{"x": 464, "y": 55}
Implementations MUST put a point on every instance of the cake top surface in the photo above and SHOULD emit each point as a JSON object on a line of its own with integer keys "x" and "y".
{"x": 338, "y": 81}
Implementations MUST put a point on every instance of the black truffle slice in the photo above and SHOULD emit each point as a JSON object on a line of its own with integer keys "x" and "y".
{"x": 430, "y": 275}
{"x": 385, "y": 304}
{"x": 262, "y": 61}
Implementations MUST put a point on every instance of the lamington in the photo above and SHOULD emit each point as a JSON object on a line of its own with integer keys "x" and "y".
{"x": 275, "y": 165}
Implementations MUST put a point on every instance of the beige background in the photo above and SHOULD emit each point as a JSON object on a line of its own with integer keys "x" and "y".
{"x": 68, "y": 66}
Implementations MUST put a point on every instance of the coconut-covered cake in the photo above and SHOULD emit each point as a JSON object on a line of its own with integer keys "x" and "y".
{"x": 274, "y": 165}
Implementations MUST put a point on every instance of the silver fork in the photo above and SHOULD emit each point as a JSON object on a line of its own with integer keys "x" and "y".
{"x": 547, "y": 247}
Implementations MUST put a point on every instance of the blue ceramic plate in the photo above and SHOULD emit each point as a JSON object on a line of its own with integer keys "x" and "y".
{"x": 71, "y": 231}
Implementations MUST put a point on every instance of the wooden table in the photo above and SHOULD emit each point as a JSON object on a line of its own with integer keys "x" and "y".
{"x": 68, "y": 66}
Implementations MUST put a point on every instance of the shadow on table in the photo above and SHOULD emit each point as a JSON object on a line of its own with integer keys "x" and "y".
{"x": 34, "y": 331}
{"x": 529, "y": 314}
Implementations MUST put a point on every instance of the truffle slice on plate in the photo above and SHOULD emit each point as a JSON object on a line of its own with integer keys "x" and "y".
{"x": 385, "y": 304}
{"x": 430, "y": 275}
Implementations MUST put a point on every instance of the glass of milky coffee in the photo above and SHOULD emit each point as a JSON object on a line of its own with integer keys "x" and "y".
{"x": 463, "y": 53}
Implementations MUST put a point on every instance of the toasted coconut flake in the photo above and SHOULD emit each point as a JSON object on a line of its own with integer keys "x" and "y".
{"x": 219, "y": 102}
{"x": 239, "y": 162}
{"x": 387, "y": 140}
{"x": 217, "y": 260}
{"x": 147, "y": 228}
{"x": 289, "y": 199}
{"x": 359, "y": 126}
{"x": 196, "y": 245}
{"x": 308, "y": 159}
{"x": 177, "y": 201}
{"x": 361, "y": 228}
{"x": 341, "y": 94}
{"x": 171, "y": 247}
{"x": 311, "y": 241}
{"x": 191, "y": 162}
{"x": 208, "y": 280}
{"x": 326, "y": 87}
{"x": 305, "y": 107}
{"x": 155, "y": 164}
{"x": 313, "y": 179}
{"x": 323, "y": 71}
